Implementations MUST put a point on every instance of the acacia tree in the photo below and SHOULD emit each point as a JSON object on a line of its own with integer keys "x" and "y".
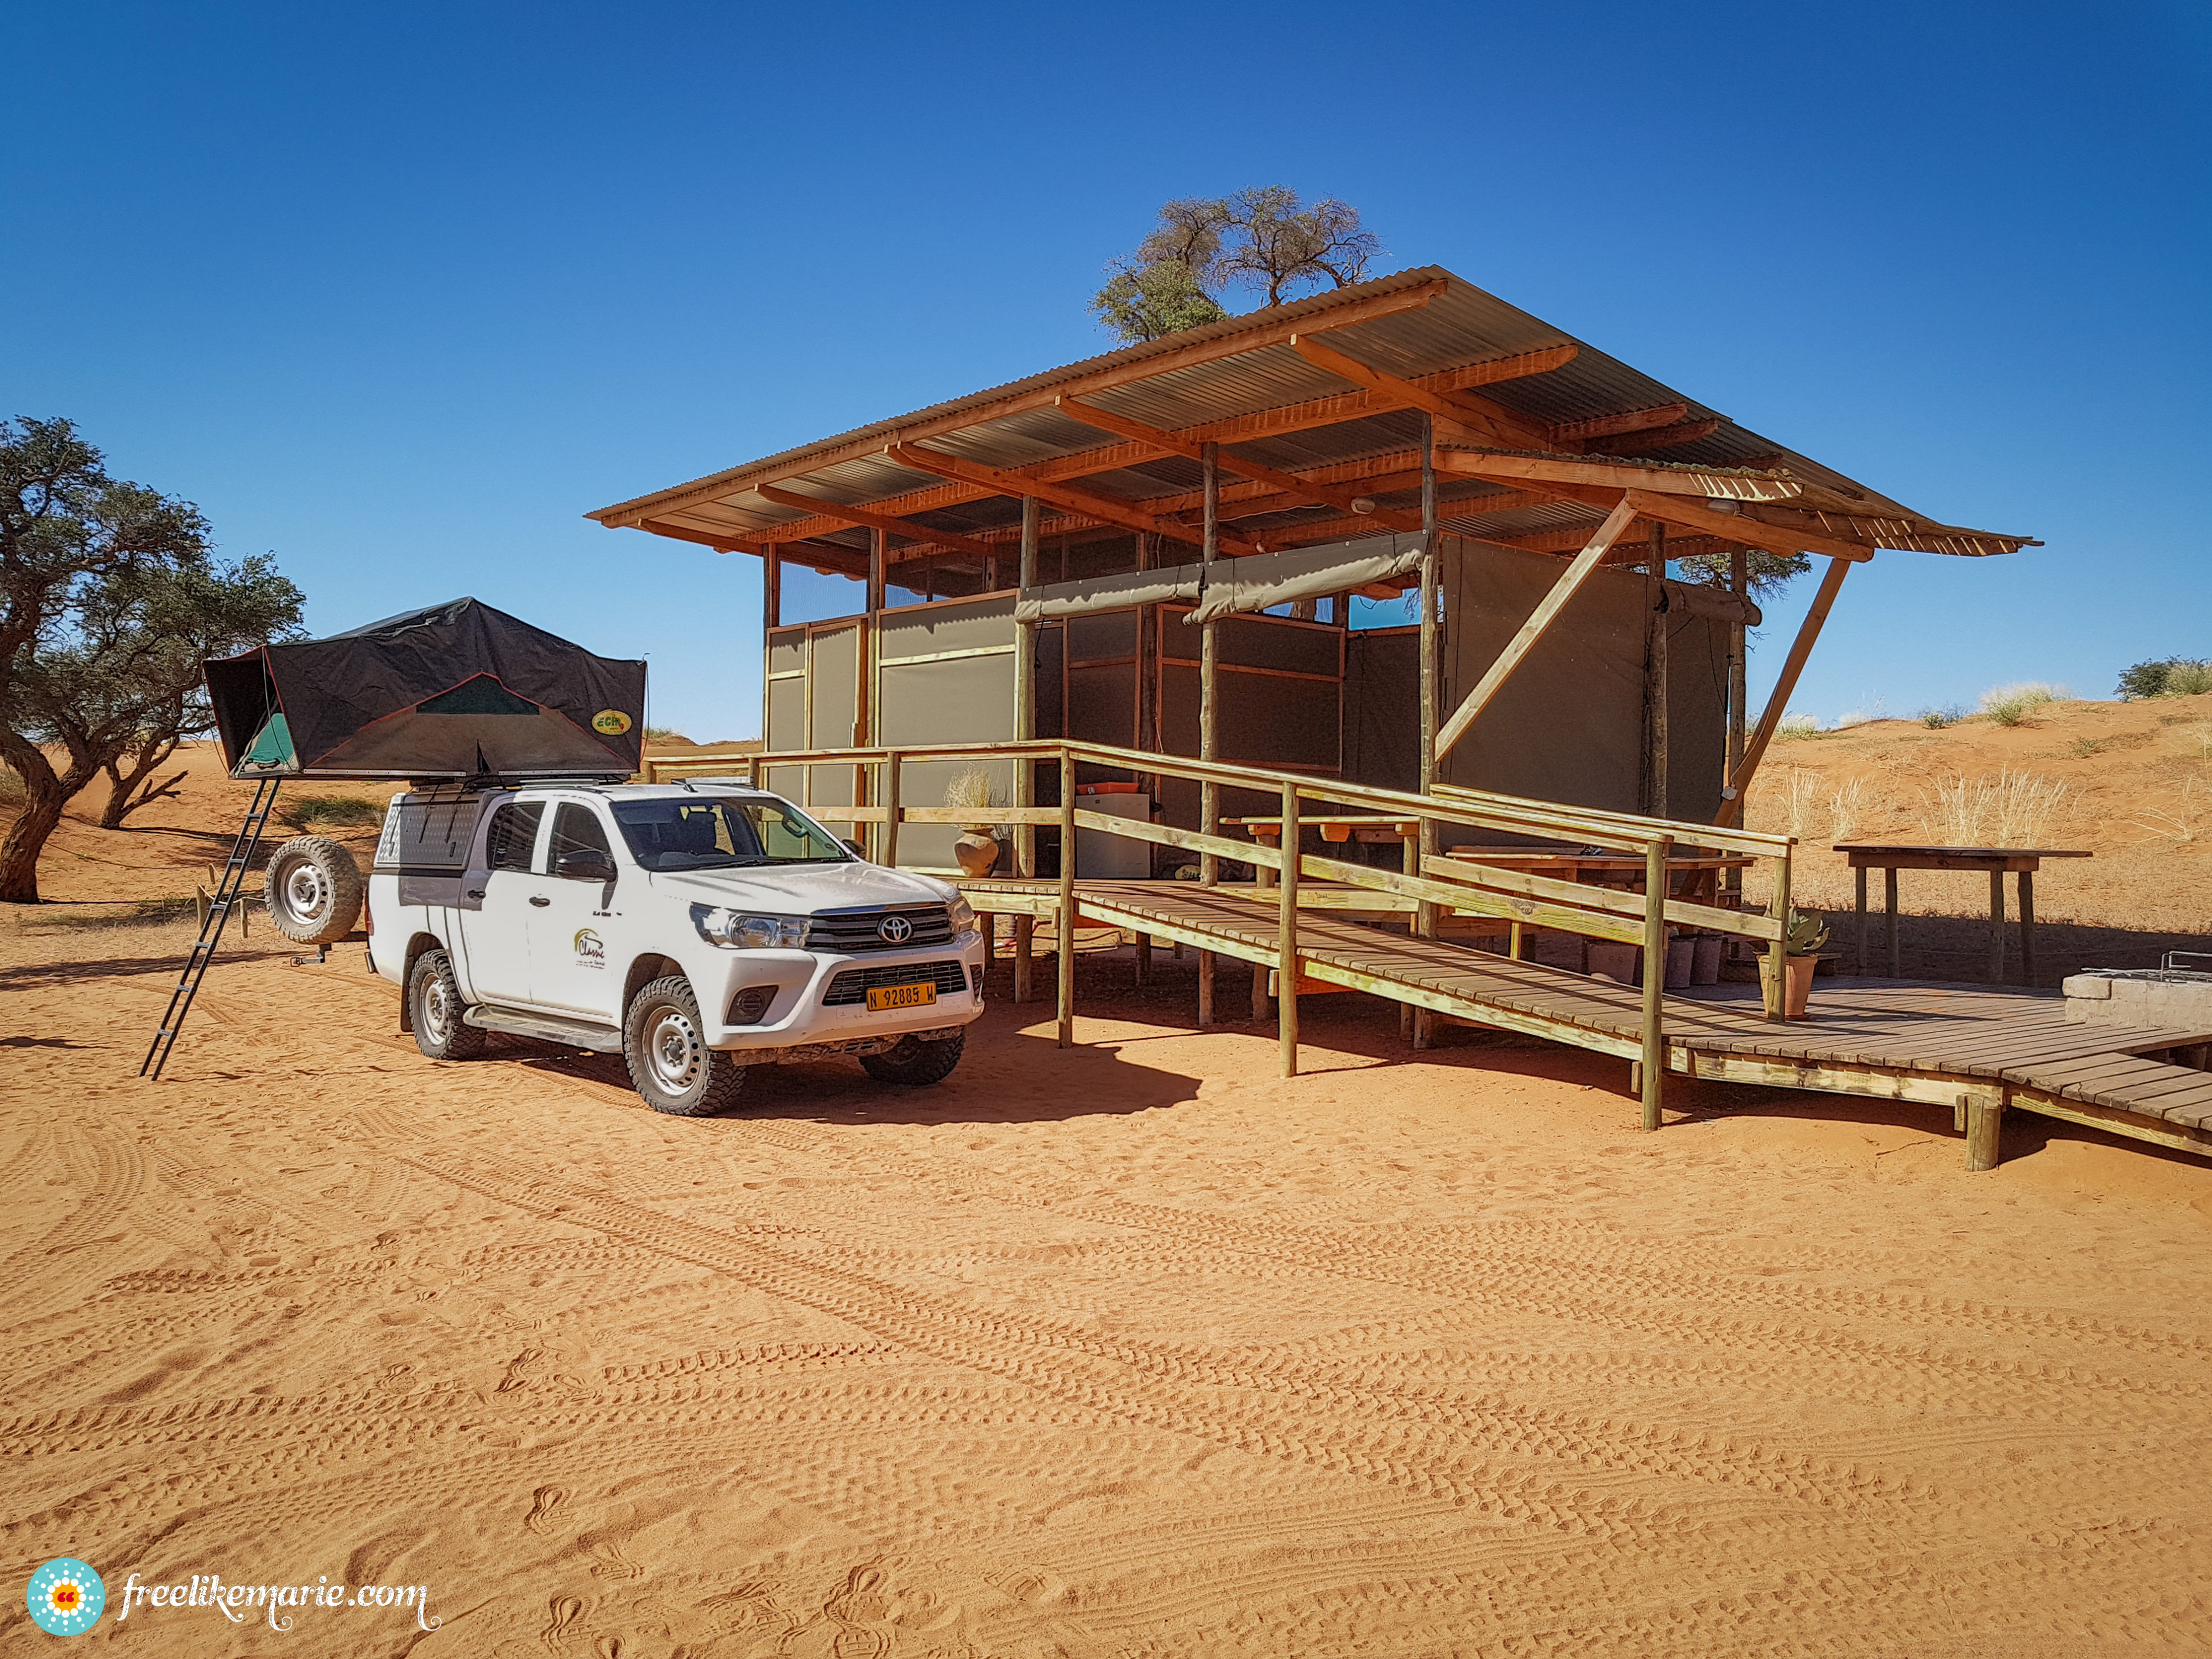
{"x": 1264, "y": 239}
{"x": 108, "y": 599}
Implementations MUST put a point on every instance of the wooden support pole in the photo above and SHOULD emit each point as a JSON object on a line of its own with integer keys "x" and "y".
{"x": 1985, "y": 1132}
{"x": 1655, "y": 975}
{"x": 891, "y": 809}
{"x": 1547, "y": 611}
{"x": 1024, "y": 958}
{"x": 2027, "y": 928}
{"x": 1411, "y": 864}
{"x": 1206, "y": 988}
{"x": 1258, "y": 991}
{"x": 1859, "y": 898}
{"x": 1143, "y": 957}
{"x": 772, "y": 588}
{"x": 1889, "y": 919}
{"x": 1067, "y": 900}
{"x": 1655, "y": 669}
{"x": 1025, "y": 653}
{"x": 1738, "y": 782}
{"x": 1209, "y": 792}
{"x": 1425, "y": 915}
{"x": 1738, "y": 584}
{"x": 1996, "y": 928}
{"x": 1286, "y": 929}
{"x": 1777, "y": 953}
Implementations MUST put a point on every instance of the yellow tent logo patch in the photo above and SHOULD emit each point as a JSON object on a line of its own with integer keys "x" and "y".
{"x": 610, "y": 722}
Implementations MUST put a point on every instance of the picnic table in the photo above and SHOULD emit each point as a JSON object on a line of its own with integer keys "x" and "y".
{"x": 2022, "y": 862}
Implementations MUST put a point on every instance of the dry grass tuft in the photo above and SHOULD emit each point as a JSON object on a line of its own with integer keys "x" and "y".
{"x": 1848, "y": 808}
{"x": 2011, "y": 705}
{"x": 2013, "y": 809}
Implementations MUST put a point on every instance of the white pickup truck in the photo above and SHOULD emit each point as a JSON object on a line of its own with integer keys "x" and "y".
{"x": 695, "y": 930}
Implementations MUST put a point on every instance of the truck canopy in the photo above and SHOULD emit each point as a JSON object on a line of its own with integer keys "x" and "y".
{"x": 458, "y": 692}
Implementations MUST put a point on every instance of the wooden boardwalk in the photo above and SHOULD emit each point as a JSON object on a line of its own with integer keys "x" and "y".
{"x": 1975, "y": 1051}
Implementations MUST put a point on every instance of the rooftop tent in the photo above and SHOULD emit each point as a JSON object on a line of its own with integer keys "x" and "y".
{"x": 458, "y": 690}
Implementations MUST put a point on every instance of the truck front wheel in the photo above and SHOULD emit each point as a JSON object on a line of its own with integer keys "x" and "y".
{"x": 913, "y": 1061}
{"x": 670, "y": 1064}
{"x": 433, "y": 1007}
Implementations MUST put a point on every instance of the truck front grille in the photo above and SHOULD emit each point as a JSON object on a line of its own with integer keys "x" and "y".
{"x": 852, "y": 933}
{"x": 854, "y": 985}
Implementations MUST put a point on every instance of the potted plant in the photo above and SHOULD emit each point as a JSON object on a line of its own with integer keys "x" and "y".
{"x": 977, "y": 847}
{"x": 1802, "y": 941}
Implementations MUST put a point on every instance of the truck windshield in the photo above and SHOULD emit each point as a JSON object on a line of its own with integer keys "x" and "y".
{"x": 719, "y": 833}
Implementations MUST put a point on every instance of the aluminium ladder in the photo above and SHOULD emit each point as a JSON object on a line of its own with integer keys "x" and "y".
{"x": 227, "y": 892}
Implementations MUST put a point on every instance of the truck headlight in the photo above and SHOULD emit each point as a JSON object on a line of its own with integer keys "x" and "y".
{"x": 740, "y": 931}
{"x": 962, "y": 915}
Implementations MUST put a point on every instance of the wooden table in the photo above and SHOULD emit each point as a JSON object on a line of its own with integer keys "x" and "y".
{"x": 2022, "y": 862}
{"x": 1686, "y": 872}
{"x": 1366, "y": 827}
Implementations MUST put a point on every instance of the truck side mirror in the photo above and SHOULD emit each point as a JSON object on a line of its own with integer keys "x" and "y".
{"x": 855, "y": 847}
{"x": 585, "y": 863}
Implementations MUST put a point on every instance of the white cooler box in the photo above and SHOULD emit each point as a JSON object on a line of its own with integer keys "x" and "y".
{"x": 1100, "y": 856}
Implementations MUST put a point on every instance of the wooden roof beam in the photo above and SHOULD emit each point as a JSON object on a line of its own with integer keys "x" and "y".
{"x": 1283, "y": 484}
{"x": 1125, "y": 514}
{"x": 868, "y": 519}
{"x": 1542, "y": 471}
{"x": 1747, "y": 532}
{"x": 1606, "y": 426}
{"x": 1664, "y": 437}
{"x": 1462, "y": 412}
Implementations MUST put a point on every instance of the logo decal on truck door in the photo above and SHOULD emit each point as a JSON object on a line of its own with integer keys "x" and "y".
{"x": 591, "y": 949}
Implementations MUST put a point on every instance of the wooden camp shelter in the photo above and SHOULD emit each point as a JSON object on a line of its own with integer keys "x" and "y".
{"x": 1532, "y": 488}
{"x": 1035, "y": 561}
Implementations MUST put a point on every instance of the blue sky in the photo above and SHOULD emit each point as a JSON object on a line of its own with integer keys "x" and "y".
{"x": 399, "y": 293}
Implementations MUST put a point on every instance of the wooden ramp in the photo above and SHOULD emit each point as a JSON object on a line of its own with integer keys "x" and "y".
{"x": 1974, "y": 1051}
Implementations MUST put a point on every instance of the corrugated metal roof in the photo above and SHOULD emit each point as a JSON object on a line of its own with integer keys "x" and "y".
{"x": 1015, "y": 426}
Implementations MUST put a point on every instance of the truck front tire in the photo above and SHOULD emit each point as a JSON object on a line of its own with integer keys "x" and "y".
{"x": 670, "y": 1064}
{"x": 313, "y": 891}
{"x": 912, "y": 1061}
{"x": 434, "y": 1008}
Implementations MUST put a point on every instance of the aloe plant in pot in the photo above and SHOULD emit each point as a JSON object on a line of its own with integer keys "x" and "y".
{"x": 977, "y": 846}
{"x": 1801, "y": 940}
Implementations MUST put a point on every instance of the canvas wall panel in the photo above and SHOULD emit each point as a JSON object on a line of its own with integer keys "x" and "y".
{"x": 948, "y": 628}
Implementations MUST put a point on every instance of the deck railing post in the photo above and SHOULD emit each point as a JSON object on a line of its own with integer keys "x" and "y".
{"x": 890, "y": 810}
{"x": 1066, "y": 900}
{"x": 1654, "y": 975}
{"x": 1777, "y": 953}
{"x": 752, "y": 772}
{"x": 1286, "y": 927}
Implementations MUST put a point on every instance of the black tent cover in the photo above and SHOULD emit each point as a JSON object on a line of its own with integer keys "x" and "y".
{"x": 454, "y": 692}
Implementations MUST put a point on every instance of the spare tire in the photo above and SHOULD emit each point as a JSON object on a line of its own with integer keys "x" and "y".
{"x": 313, "y": 891}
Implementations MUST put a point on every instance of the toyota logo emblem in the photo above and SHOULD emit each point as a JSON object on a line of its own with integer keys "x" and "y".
{"x": 895, "y": 930}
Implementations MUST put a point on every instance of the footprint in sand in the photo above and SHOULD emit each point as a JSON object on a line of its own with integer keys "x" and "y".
{"x": 544, "y": 1501}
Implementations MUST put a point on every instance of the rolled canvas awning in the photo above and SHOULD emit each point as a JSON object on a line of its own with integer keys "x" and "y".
{"x": 1227, "y": 587}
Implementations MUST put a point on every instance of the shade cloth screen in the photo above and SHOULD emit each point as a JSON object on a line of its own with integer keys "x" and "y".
{"x": 1569, "y": 725}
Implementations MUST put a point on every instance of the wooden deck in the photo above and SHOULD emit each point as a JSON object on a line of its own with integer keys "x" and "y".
{"x": 1973, "y": 1050}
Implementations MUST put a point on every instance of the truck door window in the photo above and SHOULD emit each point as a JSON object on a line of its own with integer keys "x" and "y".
{"x": 575, "y": 830}
{"x": 712, "y": 833}
{"x": 512, "y": 835}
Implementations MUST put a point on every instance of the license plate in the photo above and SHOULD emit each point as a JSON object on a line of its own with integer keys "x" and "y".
{"x": 902, "y": 996}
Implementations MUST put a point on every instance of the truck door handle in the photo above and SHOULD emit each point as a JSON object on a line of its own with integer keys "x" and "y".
{"x": 540, "y": 900}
